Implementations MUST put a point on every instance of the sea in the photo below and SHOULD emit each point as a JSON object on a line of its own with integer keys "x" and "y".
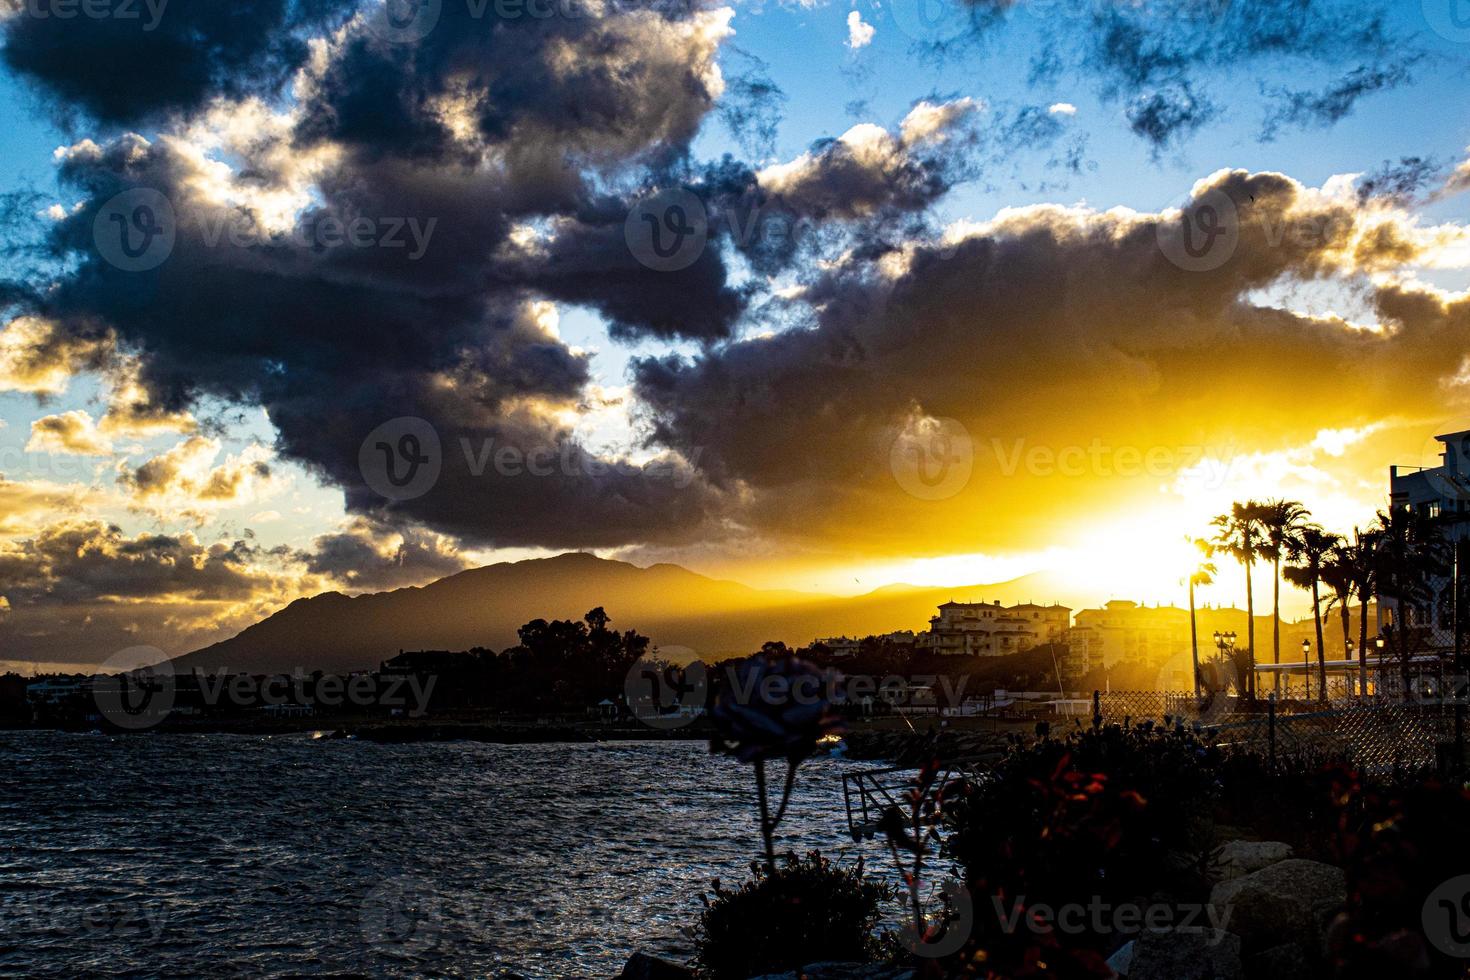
{"x": 186, "y": 855}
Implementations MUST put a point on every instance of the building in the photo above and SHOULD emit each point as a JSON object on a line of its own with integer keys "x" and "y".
{"x": 1441, "y": 492}
{"x": 1123, "y": 630}
{"x": 845, "y": 647}
{"x": 987, "y": 629}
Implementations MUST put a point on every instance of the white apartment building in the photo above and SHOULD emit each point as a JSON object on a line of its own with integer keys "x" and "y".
{"x": 1442, "y": 492}
{"x": 1124, "y": 630}
{"x": 991, "y": 629}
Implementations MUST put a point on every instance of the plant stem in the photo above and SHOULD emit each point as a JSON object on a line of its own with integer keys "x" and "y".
{"x": 767, "y": 827}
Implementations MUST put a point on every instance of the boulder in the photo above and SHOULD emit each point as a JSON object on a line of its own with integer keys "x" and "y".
{"x": 641, "y": 966}
{"x": 1185, "y": 954}
{"x": 1242, "y": 857}
{"x": 1291, "y": 901}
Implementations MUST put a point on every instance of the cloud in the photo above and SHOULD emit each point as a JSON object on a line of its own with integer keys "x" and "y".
{"x": 370, "y": 556}
{"x": 1296, "y": 108}
{"x": 859, "y": 34}
{"x": 71, "y": 432}
{"x": 1109, "y": 351}
{"x": 1062, "y": 109}
{"x": 169, "y": 57}
{"x": 39, "y": 359}
{"x": 1459, "y": 180}
{"x": 185, "y": 481}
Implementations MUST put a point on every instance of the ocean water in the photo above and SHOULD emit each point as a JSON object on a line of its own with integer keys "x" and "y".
{"x": 189, "y": 855}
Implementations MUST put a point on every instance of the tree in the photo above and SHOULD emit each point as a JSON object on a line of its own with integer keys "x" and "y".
{"x": 1409, "y": 552}
{"x": 1308, "y": 550}
{"x": 1282, "y": 522}
{"x": 1203, "y": 574}
{"x": 1240, "y": 535}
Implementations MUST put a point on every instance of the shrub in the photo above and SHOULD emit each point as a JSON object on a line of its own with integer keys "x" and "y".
{"x": 805, "y": 911}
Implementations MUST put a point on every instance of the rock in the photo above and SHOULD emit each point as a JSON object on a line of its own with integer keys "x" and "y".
{"x": 1291, "y": 901}
{"x": 1186, "y": 954}
{"x": 641, "y": 966}
{"x": 1289, "y": 961}
{"x": 843, "y": 971}
{"x": 1242, "y": 857}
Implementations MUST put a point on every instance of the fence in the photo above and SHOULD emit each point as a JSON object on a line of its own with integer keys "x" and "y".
{"x": 1373, "y": 734}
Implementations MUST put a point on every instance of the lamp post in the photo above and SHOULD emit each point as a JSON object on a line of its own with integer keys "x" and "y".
{"x": 1351, "y": 646}
{"x": 1378, "y": 645}
{"x": 1225, "y": 642}
{"x": 1307, "y": 663}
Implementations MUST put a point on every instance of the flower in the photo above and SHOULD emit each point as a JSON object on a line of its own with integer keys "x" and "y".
{"x": 774, "y": 705}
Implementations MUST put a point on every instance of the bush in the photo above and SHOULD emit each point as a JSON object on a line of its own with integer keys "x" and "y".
{"x": 1113, "y": 815}
{"x": 808, "y": 910}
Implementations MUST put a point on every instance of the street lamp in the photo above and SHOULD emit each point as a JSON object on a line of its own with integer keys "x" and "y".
{"x": 1307, "y": 663}
{"x": 1225, "y": 642}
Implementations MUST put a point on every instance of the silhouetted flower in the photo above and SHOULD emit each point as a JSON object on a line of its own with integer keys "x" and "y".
{"x": 774, "y": 705}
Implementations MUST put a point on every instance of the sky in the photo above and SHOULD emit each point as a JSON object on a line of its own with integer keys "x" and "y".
{"x": 302, "y": 295}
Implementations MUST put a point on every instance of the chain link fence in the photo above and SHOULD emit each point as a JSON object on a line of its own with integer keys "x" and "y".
{"x": 1372, "y": 734}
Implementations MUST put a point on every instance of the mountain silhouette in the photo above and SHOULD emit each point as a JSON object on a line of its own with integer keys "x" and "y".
{"x": 685, "y": 614}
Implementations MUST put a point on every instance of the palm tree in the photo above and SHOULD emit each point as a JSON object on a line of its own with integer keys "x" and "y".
{"x": 1239, "y": 534}
{"x": 1204, "y": 574}
{"x": 1282, "y": 521}
{"x": 1409, "y": 552}
{"x": 1308, "y": 552}
{"x": 1340, "y": 576}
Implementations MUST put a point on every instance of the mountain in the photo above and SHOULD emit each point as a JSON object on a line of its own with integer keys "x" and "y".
{"x": 686, "y": 614}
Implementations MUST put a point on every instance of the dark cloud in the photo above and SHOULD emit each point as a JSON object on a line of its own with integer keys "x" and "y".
{"x": 168, "y": 57}
{"x": 1167, "y": 115}
{"x": 1160, "y": 59}
{"x": 1060, "y": 329}
{"x": 1306, "y": 108}
{"x": 1401, "y": 182}
{"x": 369, "y": 556}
